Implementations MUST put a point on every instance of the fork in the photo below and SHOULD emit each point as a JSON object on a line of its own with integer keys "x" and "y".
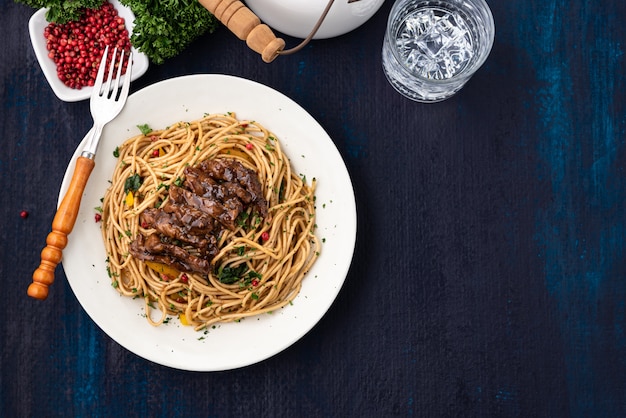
{"x": 105, "y": 104}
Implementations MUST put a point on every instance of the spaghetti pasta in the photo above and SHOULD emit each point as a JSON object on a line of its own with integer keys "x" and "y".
{"x": 267, "y": 258}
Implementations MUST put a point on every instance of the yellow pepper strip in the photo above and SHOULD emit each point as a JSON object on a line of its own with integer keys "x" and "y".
{"x": 130, "y": 199}
{"x": 161, "y": 268}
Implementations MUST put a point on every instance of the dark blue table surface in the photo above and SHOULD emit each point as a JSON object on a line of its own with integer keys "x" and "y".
{"x": 489, "y": 276}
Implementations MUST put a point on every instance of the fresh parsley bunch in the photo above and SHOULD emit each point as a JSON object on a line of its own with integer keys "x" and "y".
{"x": 164, "y": 28}
{"x": 63, "y": 11}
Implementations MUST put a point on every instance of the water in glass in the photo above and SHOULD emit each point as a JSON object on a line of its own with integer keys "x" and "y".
{"x": 432, "y": 47}
{"x": 435, "y": 43}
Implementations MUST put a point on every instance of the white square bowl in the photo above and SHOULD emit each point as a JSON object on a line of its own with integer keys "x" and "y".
{"x": 36, "y": 26}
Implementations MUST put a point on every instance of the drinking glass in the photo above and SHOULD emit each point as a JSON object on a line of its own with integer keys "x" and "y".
{"x": 432, "y": 48}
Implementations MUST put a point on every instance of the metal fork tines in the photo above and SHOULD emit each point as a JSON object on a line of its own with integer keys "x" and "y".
{"x": 107, "y": 99}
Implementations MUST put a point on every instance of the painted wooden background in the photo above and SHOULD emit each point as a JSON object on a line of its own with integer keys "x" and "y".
{"x": 489, "y": 277}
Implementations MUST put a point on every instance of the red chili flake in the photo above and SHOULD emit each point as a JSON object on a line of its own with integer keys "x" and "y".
{"x": 165, "y": 277}
{"x": 255, "y": 282}
{"x": 153, "y": 138}
{"x": 24, "y": 214}
{"x": 265, "y": 236}
{"x": 249, "y": 146}
{"x": 98, "y": 217}
{"x": 184, "y": 278}
{"x": 144, "y": 224}
{"x": 244, "y": 125}
{"x": 155, "y": 153}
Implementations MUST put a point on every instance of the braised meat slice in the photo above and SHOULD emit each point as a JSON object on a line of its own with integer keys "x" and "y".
{"x": 170, "y": 225}
{"x": 235, "y": 172}
{"x": 194, "y": 220}
{"x": 189, "y": 224}
{"x": 203, "y": 184}
{"x": 225, "y": 212}
{"x": 151, "y": 248}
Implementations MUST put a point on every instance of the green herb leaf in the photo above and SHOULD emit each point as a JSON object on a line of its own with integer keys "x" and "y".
{"x": 230, "y": 275}
{"x": 242, "y": 219}
{"x": 132, "y": 183}
{"x": 145, "y": 129}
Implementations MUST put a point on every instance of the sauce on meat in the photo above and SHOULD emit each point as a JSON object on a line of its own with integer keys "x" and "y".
{"x": 188, "y": 227}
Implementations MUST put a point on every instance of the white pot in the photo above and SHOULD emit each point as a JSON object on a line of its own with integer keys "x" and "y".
{"x": 298, "y": 17}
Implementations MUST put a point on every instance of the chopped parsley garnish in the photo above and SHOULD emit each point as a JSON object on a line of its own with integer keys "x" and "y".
{"x": 230, "y": 275}
{"x": 145, "y": 129}
{"x": 242, "y": 219}
{"x": 133, "y": 183}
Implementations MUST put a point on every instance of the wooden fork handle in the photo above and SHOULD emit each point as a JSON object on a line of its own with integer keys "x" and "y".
{"x": 62, "y": 225}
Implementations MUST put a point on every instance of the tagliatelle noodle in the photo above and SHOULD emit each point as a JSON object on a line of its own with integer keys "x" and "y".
{"x": 278, "y": 264}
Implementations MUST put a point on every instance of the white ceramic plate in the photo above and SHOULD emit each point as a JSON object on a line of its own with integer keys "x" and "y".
{"x": 230, "y": 345}
{"x": 36, "y": 26}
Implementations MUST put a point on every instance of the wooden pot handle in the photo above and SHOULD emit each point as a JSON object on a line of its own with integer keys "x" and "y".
{"x": 62, "y": 225}
{"x": 246, "y": 26}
